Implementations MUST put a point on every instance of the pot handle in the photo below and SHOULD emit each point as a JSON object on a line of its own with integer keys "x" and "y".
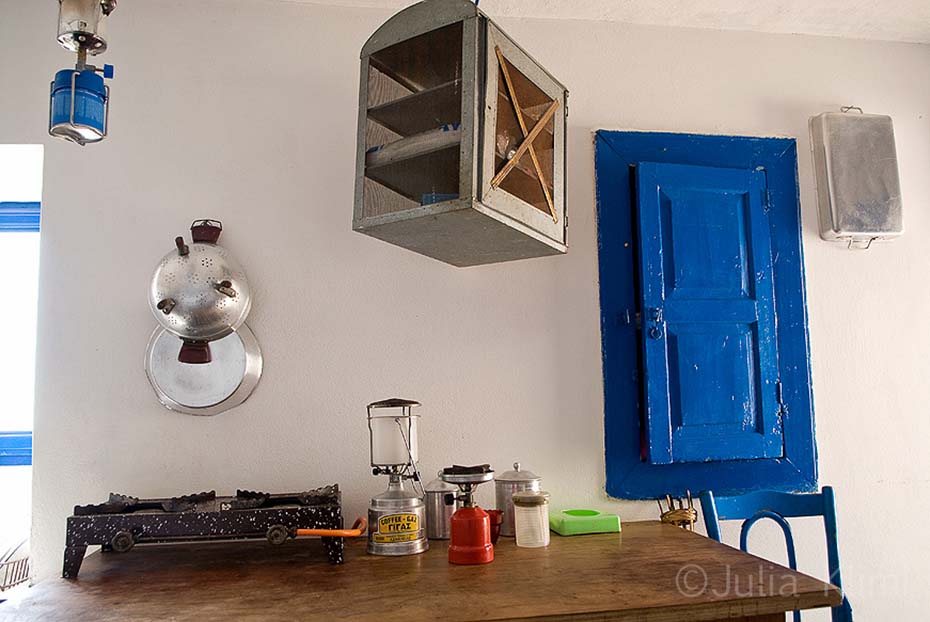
{"x": 358, "y": 528}
{"x": 195, "y": 353}
{"x": 206, "y": 230}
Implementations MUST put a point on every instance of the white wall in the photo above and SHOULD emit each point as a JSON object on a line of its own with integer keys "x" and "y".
{"x": 245, "y": 111}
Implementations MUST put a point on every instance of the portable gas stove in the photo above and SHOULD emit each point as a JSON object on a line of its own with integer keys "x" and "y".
{"x": 122, "y": 522}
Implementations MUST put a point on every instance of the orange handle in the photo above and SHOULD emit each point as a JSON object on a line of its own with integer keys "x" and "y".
{"x": 358, "y": 529}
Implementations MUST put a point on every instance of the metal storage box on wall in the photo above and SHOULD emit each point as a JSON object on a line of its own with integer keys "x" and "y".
{"x": 461, "y": 140}
{"x": 856, "y": 171}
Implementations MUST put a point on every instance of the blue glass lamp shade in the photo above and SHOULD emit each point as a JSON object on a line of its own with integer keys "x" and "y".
{"x": 79, "y": 105}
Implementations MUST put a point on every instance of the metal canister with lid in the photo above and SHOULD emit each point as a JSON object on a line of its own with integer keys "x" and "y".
{"x": 440, "y": 506}
{"x": 505, "y": 486}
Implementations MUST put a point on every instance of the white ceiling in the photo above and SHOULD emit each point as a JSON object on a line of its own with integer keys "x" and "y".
{"x": 893, "y": 20}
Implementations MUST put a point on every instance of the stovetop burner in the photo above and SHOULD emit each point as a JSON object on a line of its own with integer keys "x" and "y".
{"x": 209, "y": 502}
{"x": 121, "y": 522}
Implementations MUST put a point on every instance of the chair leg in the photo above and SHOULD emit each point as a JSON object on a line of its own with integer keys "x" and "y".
{"x": 843, "y": 613}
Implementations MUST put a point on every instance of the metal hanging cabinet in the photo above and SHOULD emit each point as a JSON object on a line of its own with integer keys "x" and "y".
{"x": 461, "y": 140}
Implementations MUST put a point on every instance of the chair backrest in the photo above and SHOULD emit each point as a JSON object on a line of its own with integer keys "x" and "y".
{"x": 779, "y": 506}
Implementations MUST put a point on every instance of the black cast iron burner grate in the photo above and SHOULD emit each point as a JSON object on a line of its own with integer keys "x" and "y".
{"x": 122, "y": 521}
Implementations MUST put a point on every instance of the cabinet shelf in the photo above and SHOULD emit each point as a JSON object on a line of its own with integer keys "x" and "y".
{"x": 425, "y": 163}
{"x": 413, "y": 146}
{"x": 425, "y": 61}
{"x": 421, "y": 111}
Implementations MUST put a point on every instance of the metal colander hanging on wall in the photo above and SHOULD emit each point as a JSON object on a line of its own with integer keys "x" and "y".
{"x": 199, "y": 292}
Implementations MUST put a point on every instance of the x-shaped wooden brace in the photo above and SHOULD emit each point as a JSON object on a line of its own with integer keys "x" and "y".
{"x": 528, "y": 138}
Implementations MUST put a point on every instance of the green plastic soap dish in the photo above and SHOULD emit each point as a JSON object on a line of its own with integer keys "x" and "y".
{"x": 578, "y": 522}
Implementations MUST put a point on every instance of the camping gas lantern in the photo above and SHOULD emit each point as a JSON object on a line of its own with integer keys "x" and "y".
{"x": 79, "y": 100}
{"x": 396, "y": 517}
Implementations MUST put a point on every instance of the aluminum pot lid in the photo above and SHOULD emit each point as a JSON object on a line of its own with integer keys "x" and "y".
{"x": 208, "y": 389}
{"x": 518, "y": 475}
{"x": 531, "y": 498}
{"x": 438, "y": 485}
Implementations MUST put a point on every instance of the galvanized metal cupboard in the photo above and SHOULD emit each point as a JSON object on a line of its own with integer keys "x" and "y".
{"x": 461, "y": 140}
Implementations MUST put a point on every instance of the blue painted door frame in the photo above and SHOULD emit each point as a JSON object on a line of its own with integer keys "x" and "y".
{"x": 16, "y": 446}
{"x": 631, "y": 473}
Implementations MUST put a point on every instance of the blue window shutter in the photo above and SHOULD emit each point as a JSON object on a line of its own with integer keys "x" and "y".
{"x": 707, "y": 310}
{"x": 15, "y": 448}
{"x": 19, "y": 216}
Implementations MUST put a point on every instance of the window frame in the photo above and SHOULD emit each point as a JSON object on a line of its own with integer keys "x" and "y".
{"x": 16, "y": 446}
{"x": 628, "y": 474}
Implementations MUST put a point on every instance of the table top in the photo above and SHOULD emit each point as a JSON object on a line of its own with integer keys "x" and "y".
{"x": 649, "y": 573}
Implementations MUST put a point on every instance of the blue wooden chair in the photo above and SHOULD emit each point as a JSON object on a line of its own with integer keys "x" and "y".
{"x": 779, "y": 506}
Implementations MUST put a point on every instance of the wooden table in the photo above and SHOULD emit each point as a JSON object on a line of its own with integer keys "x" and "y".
{"x": 650, "y": 573}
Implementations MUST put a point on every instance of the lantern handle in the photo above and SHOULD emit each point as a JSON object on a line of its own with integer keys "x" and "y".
{"x": 417, "y": 480}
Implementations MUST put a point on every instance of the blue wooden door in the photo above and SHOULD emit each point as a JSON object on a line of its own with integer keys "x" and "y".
{"x": 707, "y": 314}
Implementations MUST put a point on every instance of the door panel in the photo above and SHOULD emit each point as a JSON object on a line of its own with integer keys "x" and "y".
{"x": 708, "y": 314}
{"x": 706, "y": 256}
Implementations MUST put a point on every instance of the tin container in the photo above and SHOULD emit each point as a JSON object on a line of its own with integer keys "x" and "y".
{"x": 441, "y": 504}
{"x": 396, "y": 522}
{"x": 505, "y": 486}
{"x": 856, "y": 171}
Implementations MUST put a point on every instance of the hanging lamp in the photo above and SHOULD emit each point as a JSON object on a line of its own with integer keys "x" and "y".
{"x": 79, "y": 100}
